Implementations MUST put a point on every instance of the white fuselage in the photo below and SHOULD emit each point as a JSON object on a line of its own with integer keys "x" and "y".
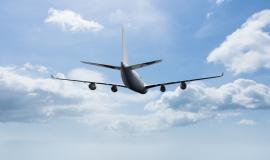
{"x": 132, "y": 80}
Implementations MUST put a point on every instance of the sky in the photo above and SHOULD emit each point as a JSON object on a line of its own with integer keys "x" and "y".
{"x": 225, "y": 118}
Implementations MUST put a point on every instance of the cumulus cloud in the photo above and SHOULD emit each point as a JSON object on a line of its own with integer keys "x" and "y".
{"x": 247, "y": 122}
{"x": 28, "y": 98}
{"x": 240, "y": 94}
{"x": 25, "y": 98}
{"x": 247, "y": 49}
{"x": 69, "y": 20}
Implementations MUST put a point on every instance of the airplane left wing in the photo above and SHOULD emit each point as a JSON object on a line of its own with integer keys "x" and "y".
{"x": 81, "y": 81}
{"x": 183, "y": 81}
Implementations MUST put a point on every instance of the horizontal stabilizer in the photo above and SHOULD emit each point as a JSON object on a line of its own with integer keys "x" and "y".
{"x": 102, "y": 65}
{"x": 137, "y": 66}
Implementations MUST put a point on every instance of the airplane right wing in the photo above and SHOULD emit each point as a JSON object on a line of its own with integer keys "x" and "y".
{"x": 182, "y": 81}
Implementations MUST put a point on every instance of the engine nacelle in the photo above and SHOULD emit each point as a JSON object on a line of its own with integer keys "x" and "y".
{"x": 114, "y": 88}
{"x": 162, "y": 88}
{"x": 183, "y": 85}
{"x": 92, "y": 86}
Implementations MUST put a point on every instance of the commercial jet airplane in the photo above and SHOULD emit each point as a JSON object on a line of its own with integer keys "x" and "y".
{"x": 130, "y": 77}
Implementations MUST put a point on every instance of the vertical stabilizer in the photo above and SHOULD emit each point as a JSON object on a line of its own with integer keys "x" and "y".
{"x": 124, "y": 47}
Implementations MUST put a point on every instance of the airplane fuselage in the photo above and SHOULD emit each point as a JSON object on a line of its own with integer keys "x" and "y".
{"x": 132, "y": 80}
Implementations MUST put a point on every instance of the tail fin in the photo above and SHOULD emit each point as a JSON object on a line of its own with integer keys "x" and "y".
{"x": 124, "y": 47}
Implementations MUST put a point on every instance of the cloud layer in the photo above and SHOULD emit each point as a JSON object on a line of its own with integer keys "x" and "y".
{"x": 247, "y": 49}
{"x": 69, "y": 20}
{"x": 240, "y": 94}
{"x": 28, "y": 98}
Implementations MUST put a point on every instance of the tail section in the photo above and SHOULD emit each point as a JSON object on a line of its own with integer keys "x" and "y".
{"x": 125, "y": 58}
{"x": 124, "y": 47}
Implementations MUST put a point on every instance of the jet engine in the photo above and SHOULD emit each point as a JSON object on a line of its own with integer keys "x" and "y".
{"x": 183, "y": 85}
{"x": 92, "y": 86}
{"x": 114, "y": 88}
{"x": 162, "y": 88}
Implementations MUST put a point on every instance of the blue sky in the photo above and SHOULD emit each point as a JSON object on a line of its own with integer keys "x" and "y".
{"x": 226, "y": 118}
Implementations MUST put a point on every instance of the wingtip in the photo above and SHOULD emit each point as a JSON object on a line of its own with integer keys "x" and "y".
{"x": 222, "y": 74}
{"x": 52, "y": 76}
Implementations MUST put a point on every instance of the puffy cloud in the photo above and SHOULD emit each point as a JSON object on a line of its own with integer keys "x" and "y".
{"x": 247, "y": 122}
{"x": 247, "y": 49}
{"x": 27, "y": 98}
{"x": 240, "y": 94}
{"x": 71, "y": 21}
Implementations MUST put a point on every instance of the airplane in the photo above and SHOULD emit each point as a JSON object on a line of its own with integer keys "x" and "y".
{"x": 130, "y": 77}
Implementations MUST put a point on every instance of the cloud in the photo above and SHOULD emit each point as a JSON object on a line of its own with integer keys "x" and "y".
{"x": 240, "y": 94}
{"x": 28, "y": 98}
{"x": 69, "y": 20}
{"x": 247, "y": 49}
{"x": 24, "y": 98}
{"x": 247, "y": 122}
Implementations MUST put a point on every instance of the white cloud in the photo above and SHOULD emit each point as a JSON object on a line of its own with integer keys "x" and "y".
{"x": 247, "y": 122}
{"x": 240, "y": 94}
{"x": 140, "y": 15}
{"x": 69, "y": 20}
{"x": 24, "y": 98}
{"x": 247, "y": 49}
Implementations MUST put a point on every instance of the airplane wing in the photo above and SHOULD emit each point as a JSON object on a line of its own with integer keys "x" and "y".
{"x": 176, "y": 82}
{"x": 81, "y": 81}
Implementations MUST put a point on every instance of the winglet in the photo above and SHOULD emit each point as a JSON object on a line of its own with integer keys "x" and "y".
{"x": 222, "y": 74}
{"x": 52, "y": 76}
